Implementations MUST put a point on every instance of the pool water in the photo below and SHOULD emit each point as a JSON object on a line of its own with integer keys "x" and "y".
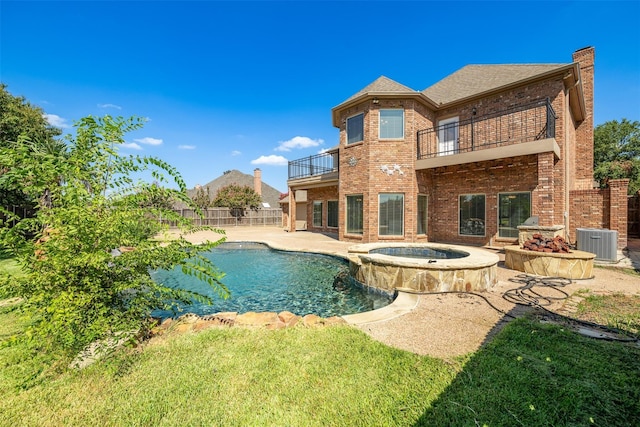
{"x": 420, "y": 252}
{"x": 262, "y": 279}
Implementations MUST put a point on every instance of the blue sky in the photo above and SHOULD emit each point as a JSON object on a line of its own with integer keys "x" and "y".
{"x": 242, "y": 85}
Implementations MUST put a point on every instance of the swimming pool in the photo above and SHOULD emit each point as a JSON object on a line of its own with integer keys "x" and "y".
{"x": 263, "y": 279}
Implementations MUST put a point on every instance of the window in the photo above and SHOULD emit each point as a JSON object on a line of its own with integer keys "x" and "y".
{"x": 391, "y": 124}
{"x": 472, "y": 215}
{"x": 422, "y": 214}
{"x": 332, "y": 213}
{"x": 355, "y": 129}
{"x": 513, "y": 210}
{"x": 391, "y": 214}
{"x": 354, "y": 214}
{"x": 317, "y": 214}
{"x": 448, "y": 136}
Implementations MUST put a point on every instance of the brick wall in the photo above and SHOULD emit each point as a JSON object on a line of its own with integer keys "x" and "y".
{"x": 584, "y": 132}
{"x": 323, "y": 195}
{"x": 601, "y": 208}
{"x": 553, "y": 182}
{"x": 444, "y": 186}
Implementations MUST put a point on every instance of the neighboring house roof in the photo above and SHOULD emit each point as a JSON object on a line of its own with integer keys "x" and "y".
{"x": 473, "y": 80}
{"x": 269, "y": 194}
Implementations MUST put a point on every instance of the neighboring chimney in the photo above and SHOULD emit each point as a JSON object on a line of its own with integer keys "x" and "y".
{"x": 584, "y": 132}
{"x": 257, "y": 181}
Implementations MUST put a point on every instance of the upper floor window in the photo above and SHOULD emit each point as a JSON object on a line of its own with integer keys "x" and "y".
{"x": 391, "y": 124}
{"x": 355, "y": 128}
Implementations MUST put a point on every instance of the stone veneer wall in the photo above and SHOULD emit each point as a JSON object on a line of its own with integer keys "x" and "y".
{"x": 477, "y": 272}
{"x": 574, "y": 265}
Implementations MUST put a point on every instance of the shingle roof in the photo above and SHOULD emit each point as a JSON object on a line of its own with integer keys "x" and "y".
{"x": 269, "y": 194}
{"x": 476, "y": 79}
{"x": 383, "y": 85}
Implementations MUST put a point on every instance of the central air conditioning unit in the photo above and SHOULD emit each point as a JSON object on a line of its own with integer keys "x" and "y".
{"x": 602, "y": 242}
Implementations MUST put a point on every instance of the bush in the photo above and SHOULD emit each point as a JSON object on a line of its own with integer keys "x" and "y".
{"x": 87, "y": 270}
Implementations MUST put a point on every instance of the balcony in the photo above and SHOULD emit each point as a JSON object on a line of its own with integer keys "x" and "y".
{"x": 523, "y": 130}
{"x": 318, "y": 170}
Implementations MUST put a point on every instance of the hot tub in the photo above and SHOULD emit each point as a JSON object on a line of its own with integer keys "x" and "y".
{"x": 423, "y": 267}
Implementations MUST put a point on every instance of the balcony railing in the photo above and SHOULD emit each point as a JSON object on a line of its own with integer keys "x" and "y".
{"x": 530, "y": 122}
{"x": 318, "y": 164}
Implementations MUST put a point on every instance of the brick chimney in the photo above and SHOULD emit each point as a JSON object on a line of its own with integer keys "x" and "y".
{"x": 584, "y": 132}
{"x": 257, "y": 181}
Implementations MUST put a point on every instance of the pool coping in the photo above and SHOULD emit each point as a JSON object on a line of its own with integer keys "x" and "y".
{"x": 403, "y": 303}
{"x": 477, "y": 257}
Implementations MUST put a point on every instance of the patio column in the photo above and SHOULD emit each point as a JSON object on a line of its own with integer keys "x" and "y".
{"x": 292, "y": 210}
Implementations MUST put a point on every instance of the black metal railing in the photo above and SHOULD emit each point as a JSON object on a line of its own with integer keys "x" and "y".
{"x": 318, "y": 164}
{"x": 529, "y": 122}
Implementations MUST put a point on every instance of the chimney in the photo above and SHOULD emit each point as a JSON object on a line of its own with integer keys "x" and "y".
{"x": 257, "y": 181}
{"x": 585, "y": 57}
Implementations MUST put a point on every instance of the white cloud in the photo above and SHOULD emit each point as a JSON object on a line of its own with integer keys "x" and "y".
{"x": 55, "y": 120}
{"x": 131, "y": 145}
{"x": 270, "y": 160}
{"x": 186, "y": 147}
{"x": 235, "y": 153}
{"x": 298, "y": 142}
{"x": 117, "y": 107}
{"x": 324, "y": 150}
{"x": 149, "y": 141}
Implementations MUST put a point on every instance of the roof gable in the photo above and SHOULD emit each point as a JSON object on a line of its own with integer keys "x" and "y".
{"x": 473, "y": 80}
{"x": 382, "y": 85}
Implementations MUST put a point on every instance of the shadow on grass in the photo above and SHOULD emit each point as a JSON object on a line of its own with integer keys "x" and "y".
{"x": 532, "y": 373}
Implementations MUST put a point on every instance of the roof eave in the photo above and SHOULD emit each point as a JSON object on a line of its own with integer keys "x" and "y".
{"x": 335, "y": 111}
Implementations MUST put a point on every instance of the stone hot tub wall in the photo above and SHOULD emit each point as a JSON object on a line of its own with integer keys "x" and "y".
{"x": 574, "y": 265}
{"x": 476, "y": 272}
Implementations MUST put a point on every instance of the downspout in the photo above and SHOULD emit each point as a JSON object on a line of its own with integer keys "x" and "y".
{"x": 567, "y": 204}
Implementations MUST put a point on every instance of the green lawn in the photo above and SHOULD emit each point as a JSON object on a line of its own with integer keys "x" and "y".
{"x": 530, "y": 374}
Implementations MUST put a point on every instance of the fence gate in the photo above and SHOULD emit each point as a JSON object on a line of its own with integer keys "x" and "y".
{"x": 633, "y": 216}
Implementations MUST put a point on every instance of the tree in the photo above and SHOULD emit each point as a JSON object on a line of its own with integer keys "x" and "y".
{"x": 21, "y": 121}
{"x": 19, "y": 118}
{"x": 237, "y": 197}
{"x": 202, "y": 198}
{"x": 617, "y": 152}
{"x": 87, "y": 271}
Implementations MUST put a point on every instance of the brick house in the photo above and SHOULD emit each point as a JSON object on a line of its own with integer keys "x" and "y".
{"x": 466, "y": 160}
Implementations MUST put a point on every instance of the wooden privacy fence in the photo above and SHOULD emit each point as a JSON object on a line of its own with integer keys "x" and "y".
{"x": 226, "y": 217}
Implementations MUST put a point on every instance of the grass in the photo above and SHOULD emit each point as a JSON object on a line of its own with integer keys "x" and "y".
{"x": 530, "y": 374}
{"x": 541, "y": 374}
{"x": 616, "y": 311}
